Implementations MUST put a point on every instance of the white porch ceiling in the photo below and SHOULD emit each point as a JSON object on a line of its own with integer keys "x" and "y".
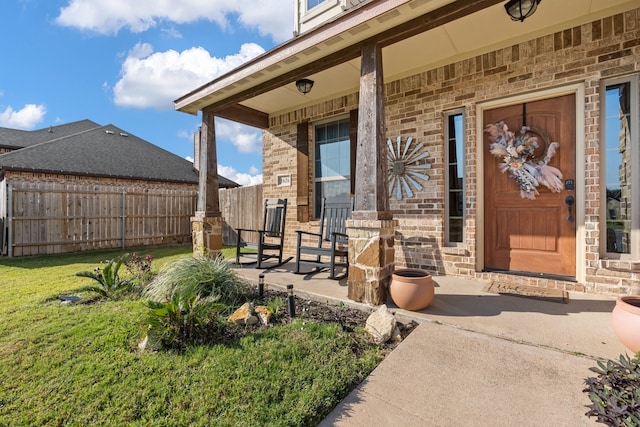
{"x": 481, "y": 32}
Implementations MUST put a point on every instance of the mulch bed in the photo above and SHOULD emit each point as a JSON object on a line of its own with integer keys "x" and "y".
{"x": 312, "y": 311}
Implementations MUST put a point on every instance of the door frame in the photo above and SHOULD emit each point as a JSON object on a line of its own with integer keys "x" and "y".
{"x": 578, "y": 90}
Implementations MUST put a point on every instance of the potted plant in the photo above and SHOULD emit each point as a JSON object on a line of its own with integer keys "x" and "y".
{"x": 625, "y": 320}
{"x": 411, "y": 289}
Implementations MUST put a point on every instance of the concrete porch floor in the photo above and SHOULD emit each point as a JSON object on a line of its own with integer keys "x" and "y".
{"x": 476, "y": 359}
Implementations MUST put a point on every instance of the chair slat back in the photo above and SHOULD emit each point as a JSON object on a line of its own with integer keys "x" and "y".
{"x": 335, "y": 212}
{"x": 275, "y": 213}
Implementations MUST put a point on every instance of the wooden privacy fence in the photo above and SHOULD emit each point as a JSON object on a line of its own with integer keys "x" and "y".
{"x": 48, "y": 218}
{"x": 241, "y": 207}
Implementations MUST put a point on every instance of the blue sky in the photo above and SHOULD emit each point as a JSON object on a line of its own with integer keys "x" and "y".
{"x": 123, "y": 62}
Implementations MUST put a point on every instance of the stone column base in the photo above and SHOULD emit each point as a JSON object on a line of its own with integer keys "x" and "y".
{"x": 371, "y": 259}
{"x": 206, "y": 235}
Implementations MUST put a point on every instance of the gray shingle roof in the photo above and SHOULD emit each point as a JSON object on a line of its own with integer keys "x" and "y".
{"x": 14, "y": 138}
{"x": 105, "y": 151}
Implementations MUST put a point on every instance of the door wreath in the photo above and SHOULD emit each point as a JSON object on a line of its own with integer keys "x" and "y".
{"x": 518, "y": 158}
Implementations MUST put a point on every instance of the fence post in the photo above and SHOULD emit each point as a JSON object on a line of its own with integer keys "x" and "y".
{"x": 122, "y": 225}
{"x": 10, "y": 222}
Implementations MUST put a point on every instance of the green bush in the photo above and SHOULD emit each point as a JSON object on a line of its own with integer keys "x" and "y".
{"x": 139, "y": 269}
{"x": 208, "y": 277}
{"x": 186, "y": 319}
{"x": 109, "y": 282}
{"x": 615, "y": 392}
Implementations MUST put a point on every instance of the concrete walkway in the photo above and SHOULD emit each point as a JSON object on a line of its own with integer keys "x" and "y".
{"x": 476, "y": 359}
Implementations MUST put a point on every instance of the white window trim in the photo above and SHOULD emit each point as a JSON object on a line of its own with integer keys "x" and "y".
{"x": 446, "y": 115}
{"x": 309, "y": 14}
{"x": 635, "y": 171}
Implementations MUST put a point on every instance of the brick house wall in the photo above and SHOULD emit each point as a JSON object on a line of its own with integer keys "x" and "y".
{"x": 586, "y": 54}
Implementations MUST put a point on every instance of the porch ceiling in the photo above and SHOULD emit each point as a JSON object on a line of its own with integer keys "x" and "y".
{"x": 329, "y": 55}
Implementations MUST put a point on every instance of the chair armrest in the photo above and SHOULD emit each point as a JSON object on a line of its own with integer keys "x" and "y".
{"x": 334, "y": 237}
{"x": 308, "y": 233}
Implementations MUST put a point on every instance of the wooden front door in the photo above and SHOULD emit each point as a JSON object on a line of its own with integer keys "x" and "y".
{"x": 532, "y": 236}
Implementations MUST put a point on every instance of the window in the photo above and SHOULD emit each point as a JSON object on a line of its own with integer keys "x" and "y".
{"x": 313, "y": 3}
{"x": 454, "y": 177}
{"x": 621, "y": 160}
{"x": 332, "y": 172}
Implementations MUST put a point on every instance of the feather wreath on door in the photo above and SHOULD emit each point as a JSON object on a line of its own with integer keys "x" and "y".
{"x": 518, "y": 158}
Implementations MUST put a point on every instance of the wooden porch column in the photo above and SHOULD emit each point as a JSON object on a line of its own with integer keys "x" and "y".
{"x": 206, "y": 225}
{"x": 371, "y": 229}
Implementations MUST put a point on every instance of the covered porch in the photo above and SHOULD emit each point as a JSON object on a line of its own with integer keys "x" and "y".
{"x": 376, "y": 53}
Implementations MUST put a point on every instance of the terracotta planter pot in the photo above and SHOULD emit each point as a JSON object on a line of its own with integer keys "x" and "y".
{"x": 625, "y": 320}
{"x": 411, "y": 289}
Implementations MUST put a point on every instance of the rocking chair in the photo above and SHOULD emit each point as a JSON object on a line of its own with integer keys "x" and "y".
{"x": 270, "y": 237}
{"x": 334, "y": 214}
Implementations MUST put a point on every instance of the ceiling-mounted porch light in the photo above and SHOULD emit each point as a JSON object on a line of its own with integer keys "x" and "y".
{"x": 304, "y": 86}
{"x": 519, "y": 10}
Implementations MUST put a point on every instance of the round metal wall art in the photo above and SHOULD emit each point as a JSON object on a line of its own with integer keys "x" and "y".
{"x": 404, "y": 167}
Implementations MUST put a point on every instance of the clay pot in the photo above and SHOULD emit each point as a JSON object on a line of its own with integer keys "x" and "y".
{"x": 411, "y": 289}
{"x": 625, "y": 320}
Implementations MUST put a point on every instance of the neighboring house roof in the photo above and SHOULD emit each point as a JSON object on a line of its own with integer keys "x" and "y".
{"x": 102, "y": 151}
{"x": 15, "y": 138}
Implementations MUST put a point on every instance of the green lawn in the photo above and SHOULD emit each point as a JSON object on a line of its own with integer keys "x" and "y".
{"x": 78, "y": 365}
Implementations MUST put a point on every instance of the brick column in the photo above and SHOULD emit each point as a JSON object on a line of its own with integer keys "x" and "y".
{"x": 371, "y": 259}
{"x": 207, "y": 235}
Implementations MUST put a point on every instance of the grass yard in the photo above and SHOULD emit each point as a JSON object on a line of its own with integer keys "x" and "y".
{"x": 78, "y": 365}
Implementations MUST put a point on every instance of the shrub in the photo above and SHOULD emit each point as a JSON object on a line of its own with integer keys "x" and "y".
{"x": 110, "y": 285}
{"x": 615, "y": 392}
{"x": 208, "y": 277}
{"x": 186, "y": 319}
{"x": 139, "y": 269}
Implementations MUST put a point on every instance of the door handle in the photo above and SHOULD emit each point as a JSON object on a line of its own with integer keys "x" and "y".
{"x": 570, "y": 200}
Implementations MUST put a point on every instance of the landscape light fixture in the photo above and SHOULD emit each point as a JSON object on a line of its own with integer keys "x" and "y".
{"x": 304, "y": 86}
{"x": 519, "y": 10}
{"x": 291, "y": 305}
{"x": 261, "y": 285}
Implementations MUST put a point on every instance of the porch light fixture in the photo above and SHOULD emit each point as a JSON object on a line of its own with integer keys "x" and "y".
{"x": 304, "y": 86}
{"x": 519, "y": 10}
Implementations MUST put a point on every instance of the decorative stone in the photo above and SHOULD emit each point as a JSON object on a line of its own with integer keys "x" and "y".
{"x": 151, "y": 342}
{"x": 245, "y": 315}
{"x": 381, "y": 324}
{"x": 264, "y": 314}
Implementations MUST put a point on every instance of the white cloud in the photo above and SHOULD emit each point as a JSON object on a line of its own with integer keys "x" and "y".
{"x": 25, "y": 119}
{"x": 243, "y": 179}
{"x": 269, "y": 17}
{"x": 156, "y": 79}
{"x": 189, "y": 158}
{"x": 246, "y": 138}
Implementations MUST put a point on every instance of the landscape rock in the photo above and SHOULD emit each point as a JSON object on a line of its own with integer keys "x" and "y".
{"x": 264, "y": 314}
{"x": 151, "y": 342}
{"x": 245, "y": 315}
{"x": 381, "y": 324}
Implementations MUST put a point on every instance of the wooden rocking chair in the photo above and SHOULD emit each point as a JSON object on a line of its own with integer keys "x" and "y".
{"x": 331, "y": 243}
{"x": 270, "y": 241}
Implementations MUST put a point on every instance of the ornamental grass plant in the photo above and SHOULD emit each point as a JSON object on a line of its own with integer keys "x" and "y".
{"x": 79, "y": 365}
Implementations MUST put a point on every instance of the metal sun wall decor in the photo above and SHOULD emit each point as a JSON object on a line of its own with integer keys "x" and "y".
{"x": 518, "y": 158}
{"x": 404, "y": 169}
